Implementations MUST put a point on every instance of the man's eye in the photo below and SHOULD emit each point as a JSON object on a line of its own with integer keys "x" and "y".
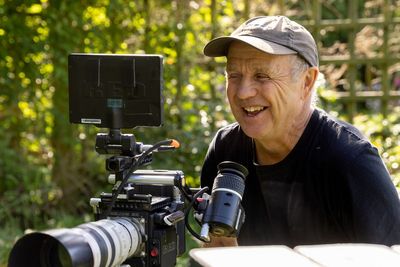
{"x": 262, "y": 76}
{"x": 233, "y": 75}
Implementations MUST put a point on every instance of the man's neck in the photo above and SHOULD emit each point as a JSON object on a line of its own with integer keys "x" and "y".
{"x": 269, "y": 152}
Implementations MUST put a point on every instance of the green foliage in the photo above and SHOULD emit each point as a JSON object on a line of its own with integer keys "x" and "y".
{"x": 48, "y": 167}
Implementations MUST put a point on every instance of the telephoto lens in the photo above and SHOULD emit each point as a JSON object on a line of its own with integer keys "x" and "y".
{"x": 108, "y": 242}
{"x": 224, "y": 214}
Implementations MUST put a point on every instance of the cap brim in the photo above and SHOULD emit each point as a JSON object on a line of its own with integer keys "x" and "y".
{"x": 218, "y": 47}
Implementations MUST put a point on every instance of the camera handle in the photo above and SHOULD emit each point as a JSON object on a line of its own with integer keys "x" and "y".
{"x": 116, "y": 143}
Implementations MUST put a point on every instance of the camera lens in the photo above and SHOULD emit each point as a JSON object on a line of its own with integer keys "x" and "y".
{"x": 54, "y": 254}
{"x": 107, "y": 242}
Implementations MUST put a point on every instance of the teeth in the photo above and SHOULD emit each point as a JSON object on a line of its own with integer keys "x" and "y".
{"x": 254, "y": 109}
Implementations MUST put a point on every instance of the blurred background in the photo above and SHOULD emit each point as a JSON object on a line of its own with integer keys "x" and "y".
{"x": 49, "y": 168}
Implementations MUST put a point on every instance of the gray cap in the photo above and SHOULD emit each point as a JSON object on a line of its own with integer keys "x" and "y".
{"x": 276, "y": 35}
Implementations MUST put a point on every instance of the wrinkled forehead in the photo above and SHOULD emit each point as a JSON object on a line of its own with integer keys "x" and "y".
{"x": 237, "y": 62}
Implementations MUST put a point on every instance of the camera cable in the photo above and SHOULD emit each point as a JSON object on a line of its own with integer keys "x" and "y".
{"x": 190, "y": 229}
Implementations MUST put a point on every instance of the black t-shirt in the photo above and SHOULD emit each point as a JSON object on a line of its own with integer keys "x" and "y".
{"x": 332, "y": 187}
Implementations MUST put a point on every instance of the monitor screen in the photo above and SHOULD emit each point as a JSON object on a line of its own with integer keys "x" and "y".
{"x": 116, "y": 91}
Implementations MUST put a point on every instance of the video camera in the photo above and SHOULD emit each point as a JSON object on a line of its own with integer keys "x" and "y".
{"x": 141, "y": 222}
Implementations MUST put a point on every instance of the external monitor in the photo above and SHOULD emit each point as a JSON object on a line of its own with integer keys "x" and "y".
{"x": 115, "y": 91}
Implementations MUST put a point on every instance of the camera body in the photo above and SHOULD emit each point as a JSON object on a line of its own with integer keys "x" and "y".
{"x": 148, "y": 199}
{"x": 143, "y": 227}
{"x": 152, "y": 201}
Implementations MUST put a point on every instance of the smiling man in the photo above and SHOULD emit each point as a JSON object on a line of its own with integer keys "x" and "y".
{"x": 312, "y": 178}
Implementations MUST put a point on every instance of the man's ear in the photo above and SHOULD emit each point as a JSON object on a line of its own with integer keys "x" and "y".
{"x": 310, "y": 77}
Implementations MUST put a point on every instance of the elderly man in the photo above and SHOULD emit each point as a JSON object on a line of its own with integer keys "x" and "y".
{"x": 312, "y": 179}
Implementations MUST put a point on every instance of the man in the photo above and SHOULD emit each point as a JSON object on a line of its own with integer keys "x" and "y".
{"x": 312, "y": 178}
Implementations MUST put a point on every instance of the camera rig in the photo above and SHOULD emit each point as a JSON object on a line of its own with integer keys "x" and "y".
{"x": 141, "y": 222}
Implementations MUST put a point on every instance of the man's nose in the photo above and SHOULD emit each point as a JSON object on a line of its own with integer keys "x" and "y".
{"x": 246, "y": 89}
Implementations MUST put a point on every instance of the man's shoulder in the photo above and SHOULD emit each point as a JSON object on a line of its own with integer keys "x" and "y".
{"x": 230, "y": 129}
{"x": 340, "y": 139}
{"x": 231, "y": 140}
{"x": 339, "y": 128}
{"x": 230, "y": 133}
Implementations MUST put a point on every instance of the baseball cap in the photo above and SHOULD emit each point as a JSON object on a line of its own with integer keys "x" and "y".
{"x": 276, "y": 35}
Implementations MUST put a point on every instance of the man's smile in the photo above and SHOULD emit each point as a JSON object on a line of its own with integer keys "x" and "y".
{"x": 254, "y": 110}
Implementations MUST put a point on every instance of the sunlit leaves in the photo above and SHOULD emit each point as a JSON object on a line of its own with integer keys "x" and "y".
{"x": 96, "y": 16}
{"x": 34, "y": 9}
{"x": 27, "y": 111}
{"x": 46, "y": 68}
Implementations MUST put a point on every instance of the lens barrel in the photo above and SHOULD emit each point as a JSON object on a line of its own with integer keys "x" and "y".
{"x": 107, "y": 242}
{"x": 224, "y": 213}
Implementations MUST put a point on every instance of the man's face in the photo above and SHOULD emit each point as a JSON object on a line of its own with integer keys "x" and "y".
{"x": 264, "y": 97}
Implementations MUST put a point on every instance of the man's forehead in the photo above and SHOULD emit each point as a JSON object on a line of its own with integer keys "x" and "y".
{"x": 253, "y": 61}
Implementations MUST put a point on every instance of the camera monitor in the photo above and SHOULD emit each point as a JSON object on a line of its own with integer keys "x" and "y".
{"x": 115, "y": 91}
